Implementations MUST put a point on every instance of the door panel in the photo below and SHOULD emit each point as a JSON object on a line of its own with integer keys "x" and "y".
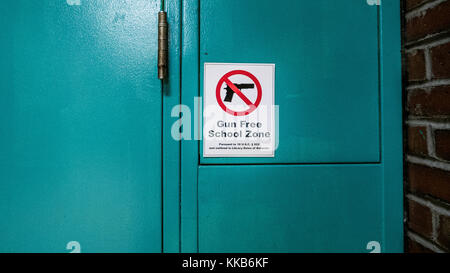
{"x": 322, "y": 208}
{"x": 335, "y": 183}
{"x": 326, "y": 84}
{"x": 80, "y": 126}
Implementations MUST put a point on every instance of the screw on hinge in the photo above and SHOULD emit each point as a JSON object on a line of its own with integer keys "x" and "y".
{"x": 162, "y": 45}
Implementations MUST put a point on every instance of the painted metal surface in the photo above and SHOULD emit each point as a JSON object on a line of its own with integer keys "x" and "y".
{"x": 171, "y": 147}
{"x": 326, "y": 82}
{"x": 289, "y": 208}
{"x": 80, "y": 126}
{"x": 189, "y": 149}
{"x": 298, "y": 203}
{"x": 87, "y": 154}
{"x": 391, "y": 128}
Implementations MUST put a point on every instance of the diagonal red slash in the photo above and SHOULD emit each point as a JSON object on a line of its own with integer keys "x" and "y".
{"x": 226, "y": 79}
{"x": 239, "y": 93}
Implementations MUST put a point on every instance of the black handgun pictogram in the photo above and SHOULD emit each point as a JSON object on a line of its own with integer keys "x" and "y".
{"x": 230, "y": 92}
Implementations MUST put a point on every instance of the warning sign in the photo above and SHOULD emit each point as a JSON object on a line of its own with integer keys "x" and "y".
{"x": 239, "y": 110}
{"x": 236, "y": 88}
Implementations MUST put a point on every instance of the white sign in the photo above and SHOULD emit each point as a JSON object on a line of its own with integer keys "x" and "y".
{"x": 239, "y": 110}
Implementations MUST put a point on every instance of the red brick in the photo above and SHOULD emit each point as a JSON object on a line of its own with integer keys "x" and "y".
{"x": 414, "y": 247}
{"x": 442, "y": 142}
{"x": 433, "y": 20}
{"x": 432, "y": 103}
{"x": 440, "y": 59}
{"x": 416, "y": 66}
{"x": 444, "y": 232}
{"x": 420, "y": 219}
{"x": 430, "y": 181}
{"x": 410, "y": 4}
{"x": 417, "y": 141}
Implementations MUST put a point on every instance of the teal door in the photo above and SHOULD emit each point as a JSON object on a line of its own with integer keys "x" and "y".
{"x": 81, "y": 124}
{"x": 335, "y": 183}
{"x": 89, "y": 157}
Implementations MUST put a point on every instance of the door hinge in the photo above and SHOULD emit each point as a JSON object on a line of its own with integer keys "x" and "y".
{"x": 162, "y": 45}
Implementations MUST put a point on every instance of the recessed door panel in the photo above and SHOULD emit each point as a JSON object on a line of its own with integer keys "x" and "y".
{"x": 289, "y": 208}
{"x": 326, "y": 75}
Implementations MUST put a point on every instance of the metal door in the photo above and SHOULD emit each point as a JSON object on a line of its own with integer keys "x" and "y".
{"x": 335, "y": 183}
{"x": 81, "y": 123}
{"x": 87, "y": 152}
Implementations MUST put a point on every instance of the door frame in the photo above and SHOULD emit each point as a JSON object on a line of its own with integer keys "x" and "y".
{"x": 171, "y": 149}
{"x": 390, "y": 122}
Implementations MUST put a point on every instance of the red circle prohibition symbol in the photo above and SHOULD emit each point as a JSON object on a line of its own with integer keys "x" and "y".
{"x": 252, "y": 105}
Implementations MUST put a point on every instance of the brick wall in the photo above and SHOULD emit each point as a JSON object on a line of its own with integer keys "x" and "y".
{"x": 426, "y": 81}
